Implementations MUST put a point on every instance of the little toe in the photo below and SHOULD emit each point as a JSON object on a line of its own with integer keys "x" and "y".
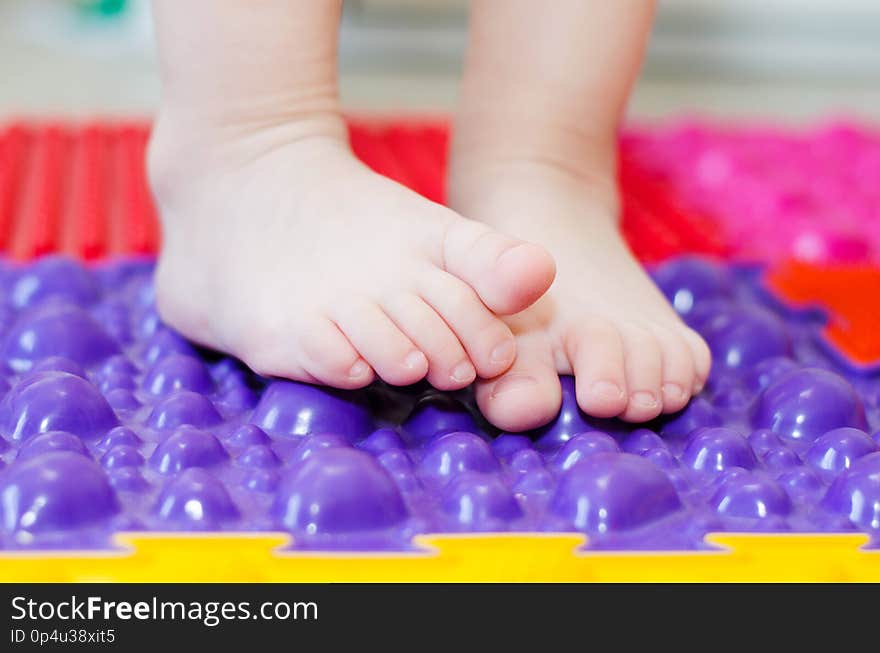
{"x": 314, "y": 350}
{"x": 508, "y": 274}
{"x": 528, "y": 395}
{"x": 595, "y": 352}
{"x": 644, "y": 373}
{"x": 702, "y": 357}
{"x": 678, "y": 370}
{"x": 449, "y": 367}
{"x": 393, "y": 356}
{"x": 487, "y": 340}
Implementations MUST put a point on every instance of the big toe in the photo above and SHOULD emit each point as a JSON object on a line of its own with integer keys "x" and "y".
{"x": 528, "y": 395}
{"x": 508, "y": 274}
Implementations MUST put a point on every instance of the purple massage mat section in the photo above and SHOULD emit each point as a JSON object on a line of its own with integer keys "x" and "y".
{"x": 110, "y": 421}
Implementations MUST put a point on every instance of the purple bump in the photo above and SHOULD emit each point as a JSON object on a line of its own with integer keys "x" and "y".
{"x": 195, "y": 499}
{"x": 116, "y": 381}
{"x": 58, "y": 364}
{"x": 698, "y": 414}
{"x": 781, "y": 458}
{"x": 57, "y": 491}
{"x": 382, "y": 440}
{"x": 800, "y": 480}
{"x": 239, "y": 398}
{"x": 55, "y": 401}
{"x": 56, "y": 330}
{"x": 55, "y": 277}
{"x": 480, "y": 502}
{"x": 769, "y": 370}
{"x": 582, "y": 445}
{"x": 121, "y": 435}
{"x": 570, "y": 421}
{"x": 806, "y": 403}
{"x": 745, "y": 335}
{"x": 763, "y": 440}
{"x": 395, "y": 460}
{"x": 187, "y": 447}
{"x": 247, "y": 435}
{"x": 122, "y": 455}
{"x": 178, "y": 372}
{"x": 688, "y": 281}
{"x": 122, "y": 399}
{"x": 538, "y": 481}
{"x": 226, "y": 368}
{"x": 114, "y": 319}
{"x": 164, "y": 343}
{"x": 288, "y": 408}
{"x": 662, "y": 458}
{"x": 525, "y": 461}
{"x": 437, "y": 414}
{"x": 315, "y": 443}
{"x": 856, "y": 493}
{"x": 258, "y": 455}
{"x": 128, "y": 479}
{"x": 338, "y": 490}
{"x": 51, "y": 441}
{"x": 506, "y": 445}
{"x": 398, "y": 464}
{"x": 453, "y": 453}
{"x": 613, "y": 492}
{"x": 184, "y": 407}
{"x": 838, "y": 449}
{"x": 716, "y": 449}
{"x": 119, "y": 364}
{"x": 751, "y": 497}
{"x": 642, "y": 440}
{"x": 261, "y": 480}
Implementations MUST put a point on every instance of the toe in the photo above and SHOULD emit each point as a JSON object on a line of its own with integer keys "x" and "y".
{"x": 702, "y": 357}
{"x": 508, "y": 274}
{"x": 449, "y": 367}
{"x": 393, "y": 356}
{"x": 313, "y": 350}
{"x": 644, "y": 373}
{"x": 595, "y": 351}
{"x": 528, "y": 395}
{"x": 679, "y": 378}
{"x": 487, "y": 340}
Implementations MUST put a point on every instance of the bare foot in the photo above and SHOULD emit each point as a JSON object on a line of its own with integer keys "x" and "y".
{"x": 284, "y": 250}
{"x": 603, "y": 320}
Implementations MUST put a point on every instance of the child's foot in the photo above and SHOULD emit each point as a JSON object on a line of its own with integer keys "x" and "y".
{"x": 282, "y": 249}
{"x": 603, "y": 320}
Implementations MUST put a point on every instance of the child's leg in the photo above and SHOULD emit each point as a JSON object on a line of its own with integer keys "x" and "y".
{"x": 280, "y": 247}
{"x": 534, "y": 153}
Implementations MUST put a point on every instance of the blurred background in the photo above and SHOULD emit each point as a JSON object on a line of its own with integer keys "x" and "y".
{"x": 784, "y": 60}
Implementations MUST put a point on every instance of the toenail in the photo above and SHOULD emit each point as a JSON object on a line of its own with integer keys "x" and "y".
{"x": 504, "y": 351}
{"x": 359, "y": 369}
{"x": 464, "y": 372}
{"x": 415, "y": 360}
{"x": 673, "y": 391}
{"x": 607, "y": 390}
{"x": 644, "y": 399}
{"x": 512, "y": 382}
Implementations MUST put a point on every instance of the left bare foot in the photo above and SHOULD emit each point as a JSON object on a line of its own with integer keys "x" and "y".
{"x": 603, "y": 320}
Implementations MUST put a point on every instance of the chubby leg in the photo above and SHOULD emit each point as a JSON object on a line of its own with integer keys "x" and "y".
{"x": 544, "y": 88}
{"x": 280, "y": 247}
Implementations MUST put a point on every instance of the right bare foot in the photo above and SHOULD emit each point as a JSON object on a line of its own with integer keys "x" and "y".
{"x": 282, "y": 249}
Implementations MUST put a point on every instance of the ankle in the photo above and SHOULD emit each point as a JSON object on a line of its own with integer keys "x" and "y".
{"x": 185, "y": 142}
{"x": 480, "y": 178}
{"x": 509, "y": 146}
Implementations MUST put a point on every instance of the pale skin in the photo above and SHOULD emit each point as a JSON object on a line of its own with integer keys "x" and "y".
{"x": 282, "y": 249}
